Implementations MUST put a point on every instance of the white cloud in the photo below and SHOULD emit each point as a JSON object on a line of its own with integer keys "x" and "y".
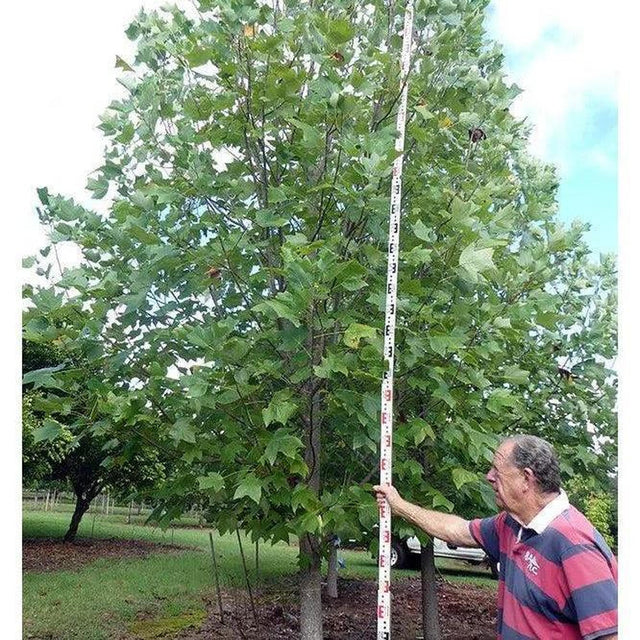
{"x": 563, "y": 55}
{"x": 601, "y": 160}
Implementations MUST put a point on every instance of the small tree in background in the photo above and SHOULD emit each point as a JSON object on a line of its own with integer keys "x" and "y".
{"x": 68, "y": 437}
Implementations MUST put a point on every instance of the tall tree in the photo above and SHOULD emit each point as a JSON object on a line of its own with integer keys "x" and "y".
{"x": 236, "y": 285}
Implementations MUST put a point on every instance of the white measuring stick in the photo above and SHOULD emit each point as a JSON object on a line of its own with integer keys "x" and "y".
{"x": 386, "y": 413}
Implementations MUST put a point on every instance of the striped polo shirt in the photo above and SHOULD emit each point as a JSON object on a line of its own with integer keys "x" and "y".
{"x": 558, "y": 577}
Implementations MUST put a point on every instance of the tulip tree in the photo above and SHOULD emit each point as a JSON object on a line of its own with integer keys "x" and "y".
{"x": 234, "y": 291}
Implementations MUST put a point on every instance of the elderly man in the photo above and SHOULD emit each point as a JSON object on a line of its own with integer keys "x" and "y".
{"x": 558, "y": 577}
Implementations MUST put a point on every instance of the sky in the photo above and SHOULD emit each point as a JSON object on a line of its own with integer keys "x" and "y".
{"x": 562, "y": 54}
{"x": 58, "y": 76}
{"x": 565, "y": 57}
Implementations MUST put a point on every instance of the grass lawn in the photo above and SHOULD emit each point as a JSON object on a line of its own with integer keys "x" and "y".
{"x": 101, "y": 600}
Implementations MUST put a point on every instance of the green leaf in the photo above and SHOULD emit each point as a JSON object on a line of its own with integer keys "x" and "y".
{"x": 424, "y": 112}
{"x": 281, "y": 442}
{"x": 303, "y": 496}
{"x": 279, "y": 309}
{"x": 280, "y": 409}
{"x": 420, "y": 429}
{"x": 251, "y": 486}
{"x": 340, "y": 31}
{"x": 355, "y": 332}
{"x": 50, "y": 430}
{"x": 501, "y": 398}
{"x": 43, "y": 378}
{"x": 461, "y": 477}
{"x": 213, "y": 482}
{"x": 474, "y": 261}
{"x": 332, "y": 362}
{"x": 99, "y": 186}
{"x": 443, "y": 343}
{"x": 310, "y": 136}
{"x": 418, "y": 256}
{"x": 516, "y": 375}
{"x": 197, "y": 386}
{"x": 439, "y": 500}
{"x": 421, "y": 231}
{"x": 502, "y": 323}
{"x": 121, "y": 64}
{"x": 141, "y": 234}
{"x": 183, "y": 430}
{"x": 371, "y": 405}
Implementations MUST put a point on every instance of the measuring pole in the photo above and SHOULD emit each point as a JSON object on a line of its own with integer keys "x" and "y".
{"x": 386, "y": 413}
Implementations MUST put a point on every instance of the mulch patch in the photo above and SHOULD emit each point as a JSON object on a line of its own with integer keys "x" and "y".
{"x": 42, "y": 554}
{"x": 466, "y": 612}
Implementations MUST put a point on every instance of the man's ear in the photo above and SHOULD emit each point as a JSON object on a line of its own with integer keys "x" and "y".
{"x": 529, "y": 475}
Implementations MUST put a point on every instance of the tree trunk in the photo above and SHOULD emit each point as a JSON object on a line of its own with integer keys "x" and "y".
{"x": 84, "y": 497}
{"x": 310, "y": 589}
{"x": 332, "y": 572}
{"x": 430, "y": 624}
{"x": 82, "y": 505}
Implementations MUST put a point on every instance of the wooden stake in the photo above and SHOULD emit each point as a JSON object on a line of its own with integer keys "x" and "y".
{"x": 257, "y": 562}
{"x": 215, "y": 575}
{"x": 246, "y": 577}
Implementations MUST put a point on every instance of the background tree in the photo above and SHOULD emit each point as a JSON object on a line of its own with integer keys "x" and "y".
{"x": 234, "y": 292}
{"x": 68, "y": 439}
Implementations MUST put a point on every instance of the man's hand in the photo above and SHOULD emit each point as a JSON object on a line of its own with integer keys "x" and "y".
{"x": 388, "y": 493}
{"x": 446, "y": 526}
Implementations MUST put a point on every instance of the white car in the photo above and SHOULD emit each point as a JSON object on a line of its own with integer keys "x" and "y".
{"x": 402, "y": 551}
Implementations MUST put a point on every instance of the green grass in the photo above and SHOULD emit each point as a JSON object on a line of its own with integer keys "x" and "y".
{"x": 103, "y": 599}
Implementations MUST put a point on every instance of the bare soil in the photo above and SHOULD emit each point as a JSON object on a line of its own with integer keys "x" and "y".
{"x": 54, "y": 555}
{"x": 466, "y": 612}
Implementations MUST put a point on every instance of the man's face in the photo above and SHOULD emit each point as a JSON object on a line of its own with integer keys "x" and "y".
{"x": 507, "y": 481}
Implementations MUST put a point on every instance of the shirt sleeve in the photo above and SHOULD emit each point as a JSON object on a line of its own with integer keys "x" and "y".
{"x": 486, "y": 532}
{"x": 592, "y": 582}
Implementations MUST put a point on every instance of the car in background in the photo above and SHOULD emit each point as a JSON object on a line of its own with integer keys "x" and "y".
{"x": 403, "y": 553}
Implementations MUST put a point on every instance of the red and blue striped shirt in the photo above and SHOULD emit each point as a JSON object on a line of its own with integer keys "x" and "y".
{"x": 558, "y": 582}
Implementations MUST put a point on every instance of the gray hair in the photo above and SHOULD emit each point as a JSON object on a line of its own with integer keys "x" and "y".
{"x": 539, "y": 456}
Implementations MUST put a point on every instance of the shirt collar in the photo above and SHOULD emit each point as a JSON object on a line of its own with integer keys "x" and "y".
{"x": 544, "y": 517}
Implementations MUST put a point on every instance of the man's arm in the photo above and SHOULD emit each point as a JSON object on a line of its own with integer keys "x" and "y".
{"x": 446, "y": 526}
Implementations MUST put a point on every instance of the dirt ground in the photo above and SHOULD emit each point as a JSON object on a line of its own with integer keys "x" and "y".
{"x": 53, "y": 555}
{"x": 466, "y": 612}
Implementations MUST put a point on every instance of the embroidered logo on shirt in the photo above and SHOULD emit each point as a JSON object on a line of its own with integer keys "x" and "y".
{"x": 532, "y": 562}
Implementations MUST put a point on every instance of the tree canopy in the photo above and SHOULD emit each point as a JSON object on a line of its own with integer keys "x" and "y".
{"x": 231, "y": 300}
